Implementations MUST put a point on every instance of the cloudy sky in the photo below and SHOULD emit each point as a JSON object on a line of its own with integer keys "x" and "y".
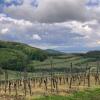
{"x": 65, "y": 25}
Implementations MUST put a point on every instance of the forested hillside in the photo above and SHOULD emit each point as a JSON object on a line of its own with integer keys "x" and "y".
{"x": 15, "y": 55}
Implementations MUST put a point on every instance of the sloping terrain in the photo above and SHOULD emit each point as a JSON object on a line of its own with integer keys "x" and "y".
{"x": 13, "y": 55}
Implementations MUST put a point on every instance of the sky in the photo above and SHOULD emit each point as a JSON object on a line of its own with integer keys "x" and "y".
{"x": 64, "y": 25}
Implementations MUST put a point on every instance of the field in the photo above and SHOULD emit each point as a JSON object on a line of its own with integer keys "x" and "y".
{"x": 83, "y": 95}
{"x": 60, "y": 64}
{"x": 60, "y": 76}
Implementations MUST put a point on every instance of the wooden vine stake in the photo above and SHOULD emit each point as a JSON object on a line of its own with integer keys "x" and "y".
{"x": 25, "y": 81}
{"x": 6, "y": 80}
{"x": 70, "y": 84}
{"x": 51, "y": 62}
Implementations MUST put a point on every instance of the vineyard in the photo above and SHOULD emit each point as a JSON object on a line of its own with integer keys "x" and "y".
{"x": 55, "y": 76}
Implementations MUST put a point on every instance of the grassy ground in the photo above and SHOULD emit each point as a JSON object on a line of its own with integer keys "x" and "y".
{"x": 61, "y": 62}
{"x": 86, "y": 95}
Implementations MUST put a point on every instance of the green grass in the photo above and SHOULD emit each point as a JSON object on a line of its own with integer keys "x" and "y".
{"x": 85, "y": 95}
{"x": 60, "y": 63}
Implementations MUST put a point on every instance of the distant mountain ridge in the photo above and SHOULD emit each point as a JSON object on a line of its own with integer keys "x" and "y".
{"x": 54, "y": 52}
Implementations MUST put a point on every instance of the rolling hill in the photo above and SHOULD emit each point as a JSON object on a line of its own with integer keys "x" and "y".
{"x": 13, "y": 55}
{"x": 17, "y": 56}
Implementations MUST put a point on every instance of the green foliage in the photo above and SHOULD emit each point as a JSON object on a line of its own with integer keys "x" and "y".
{"x": 12, "y": 59}
{"x": 86, "y": 95}
{"x": 93, "y": 54}
{"x": 33, "y": 53}
{"x": 16, "y": 56}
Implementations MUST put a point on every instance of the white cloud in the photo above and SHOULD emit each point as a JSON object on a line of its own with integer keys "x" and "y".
{"x": 14, "y": 26}
{"x": 83, "y": 28}
{"x": 36, "y": 37}
{"x": 98, "y": 42}
{"x": 4, "y": 31}
{"x": 20, "y": 22}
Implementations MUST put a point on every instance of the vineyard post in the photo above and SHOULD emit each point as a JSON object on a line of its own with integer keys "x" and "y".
{"x": 9, "y": 87}
{"x": 45, "y": 82}
{"x": 81, "y": 75}
{"x": 29, "y": 86}
{"x": 85, "y": 75}
{"x": 15, "y": 87}
{"x": 89, "y": 77}
{"x": 97, "y": 68}
{"x": 33, "y": 79}
{"x": 0, "y": 78}
{"x": 25, "y": 80}
{"x": 51, "y": 62}
{"x": 97, "y": 73}
{"x": 70, "y": 85}
{"x": 6, "y": 80}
